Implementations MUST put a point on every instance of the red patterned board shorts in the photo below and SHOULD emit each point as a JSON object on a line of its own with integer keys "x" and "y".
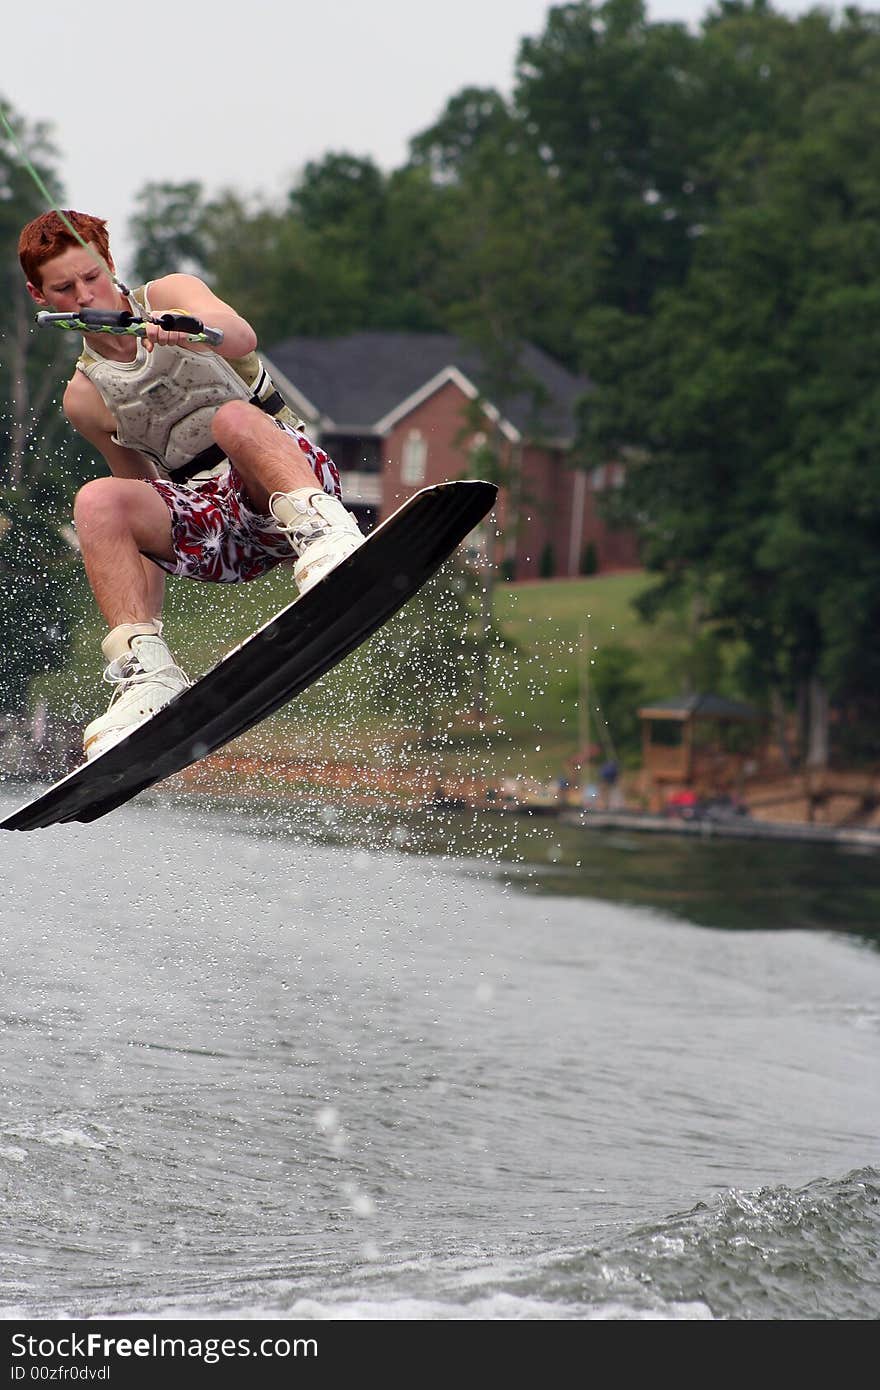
{"x": 216, "y": 534}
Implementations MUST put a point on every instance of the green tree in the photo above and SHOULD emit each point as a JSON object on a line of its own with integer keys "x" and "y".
{"x": 348, "y": 249}
{"x": 169, "y": 230}
{"x": 515, "y": 251}
{"x": 510, "y": 269}
{"x": 745, "y": 401}
{"x": 31, "y": 360}
{"x": 37, "y": 616}
{"x": 616, "y": 694}
{"x": 37, "y": 456}
{"x": 612, "y": 105}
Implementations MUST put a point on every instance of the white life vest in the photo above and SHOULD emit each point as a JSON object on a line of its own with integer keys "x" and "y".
{"x": 163, "y": 401}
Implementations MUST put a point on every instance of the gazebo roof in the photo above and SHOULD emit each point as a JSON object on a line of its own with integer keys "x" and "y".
{"x": 686, "y": 707}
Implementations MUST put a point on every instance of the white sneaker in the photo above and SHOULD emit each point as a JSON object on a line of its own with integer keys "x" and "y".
{"x": 320, "y": 530}
{"x": 146, "y": 678}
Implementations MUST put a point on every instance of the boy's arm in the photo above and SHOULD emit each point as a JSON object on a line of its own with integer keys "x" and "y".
{"x": 191, "y": 295}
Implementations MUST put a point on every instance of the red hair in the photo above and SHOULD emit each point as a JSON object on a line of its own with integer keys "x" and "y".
{"x": 47, "y": 236}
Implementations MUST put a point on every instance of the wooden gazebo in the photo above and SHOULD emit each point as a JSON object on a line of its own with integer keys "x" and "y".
{"x": 678, "y": 747}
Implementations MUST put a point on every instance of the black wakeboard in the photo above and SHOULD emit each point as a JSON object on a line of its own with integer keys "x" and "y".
{"x": 287, "y": 654}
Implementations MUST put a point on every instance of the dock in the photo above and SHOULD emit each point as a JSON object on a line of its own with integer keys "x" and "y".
{"x": 732, "y": 828}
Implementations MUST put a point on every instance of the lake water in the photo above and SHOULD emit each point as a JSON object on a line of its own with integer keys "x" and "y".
{"x": 291, "y": 1064}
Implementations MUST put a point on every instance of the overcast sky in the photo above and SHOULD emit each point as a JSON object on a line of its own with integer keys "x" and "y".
{"x": 244, "y": 94}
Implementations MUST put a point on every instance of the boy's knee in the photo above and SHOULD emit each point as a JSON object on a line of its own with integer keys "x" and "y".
{"x": 232, "y": 424}
{"x": 101, "y": 506}
{"x": 93, "y": 498}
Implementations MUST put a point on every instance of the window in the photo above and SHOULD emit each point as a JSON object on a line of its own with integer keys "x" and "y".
{"x": 353, "y": 453}
{"x": 607, "y": 475}
{"x": 414, "y": 459}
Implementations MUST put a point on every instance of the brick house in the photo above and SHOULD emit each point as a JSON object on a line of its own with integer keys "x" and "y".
{"x": 399, "y": 411}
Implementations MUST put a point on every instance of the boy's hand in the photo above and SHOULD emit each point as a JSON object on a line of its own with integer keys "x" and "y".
{"x": 172, "y": 329}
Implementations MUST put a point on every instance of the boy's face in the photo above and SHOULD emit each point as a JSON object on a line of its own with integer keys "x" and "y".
{"x": 72, "y": 281}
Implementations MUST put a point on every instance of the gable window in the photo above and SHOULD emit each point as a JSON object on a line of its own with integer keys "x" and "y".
{"x": 414, "y": 459}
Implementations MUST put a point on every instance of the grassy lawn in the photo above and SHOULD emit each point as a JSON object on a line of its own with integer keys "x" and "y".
{"x": 561, "y": 630}
{"x": 554, "y": 632}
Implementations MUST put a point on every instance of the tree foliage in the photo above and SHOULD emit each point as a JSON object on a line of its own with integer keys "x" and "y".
{"x": 38, "y": 456}
{"x": 688, "y": 216}
{"x": 169, "y": 230}
{"x": 36, "y": 611}
{"x": 746, "y": 398}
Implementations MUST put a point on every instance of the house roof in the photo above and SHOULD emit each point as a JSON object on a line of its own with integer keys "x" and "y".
{"x": 699, "y": 707}
{"x": 363, "y": 382}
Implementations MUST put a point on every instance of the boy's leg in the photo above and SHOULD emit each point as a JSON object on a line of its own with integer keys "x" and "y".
{"x": 280, "y": 481}
{"x": 119, "y": 522}
{"x": 117, "y": 519}
{"x": 266, "y": 458}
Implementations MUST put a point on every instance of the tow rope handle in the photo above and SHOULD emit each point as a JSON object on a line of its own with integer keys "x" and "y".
{"x": 121, "y": 322}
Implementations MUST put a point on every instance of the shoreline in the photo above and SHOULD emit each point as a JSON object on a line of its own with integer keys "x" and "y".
{"x": 260, "y": 778}
{"x": 734, "y": 828}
